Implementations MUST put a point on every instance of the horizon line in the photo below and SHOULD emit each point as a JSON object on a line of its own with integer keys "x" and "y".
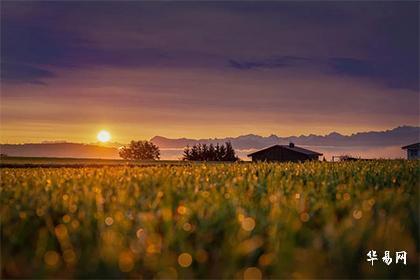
{"x": 209, "y": 138}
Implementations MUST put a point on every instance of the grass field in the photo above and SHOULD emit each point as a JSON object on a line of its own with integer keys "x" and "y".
{"x": 31, "y": 162}
{"x": 211, "y": 220}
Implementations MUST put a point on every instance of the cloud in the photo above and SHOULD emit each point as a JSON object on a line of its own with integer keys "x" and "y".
{"x": 353, "y": 67}
{"x": 21, "y": 73}
{"x": 277, "y": 62}
{"x": 144, "y": 34}
{"x": 386, "y": 73}
{"x": 210, "y": 67}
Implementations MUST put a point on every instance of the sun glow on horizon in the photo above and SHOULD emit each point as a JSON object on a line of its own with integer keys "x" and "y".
{"x": 103, "y": 136}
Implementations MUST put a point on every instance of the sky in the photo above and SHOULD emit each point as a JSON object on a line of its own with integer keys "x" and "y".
{"x": 208, "y": 69}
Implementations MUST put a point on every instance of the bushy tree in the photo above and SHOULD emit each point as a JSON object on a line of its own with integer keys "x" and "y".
{"x": 230, "y": 153}
{"x": 140, "y": 150}
{"x": 210, "y": 152}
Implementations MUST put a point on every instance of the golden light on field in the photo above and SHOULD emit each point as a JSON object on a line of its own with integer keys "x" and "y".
{"x": 126, "y": 261}
{"x": 103, "y": 136}
{"x": 51, "y": 258}
{"x": 252, "y": 273}
{"x": 133, "y": 238}
{"x": 184, "y": 260}
{"x": 248, "y": 224}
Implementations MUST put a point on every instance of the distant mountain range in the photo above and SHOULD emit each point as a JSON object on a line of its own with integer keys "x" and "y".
{"x": 399, "y": 136}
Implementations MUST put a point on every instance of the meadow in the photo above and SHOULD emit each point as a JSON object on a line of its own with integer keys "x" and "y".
{"x": 243, "y": 220}
{"x": 45, "y": 162}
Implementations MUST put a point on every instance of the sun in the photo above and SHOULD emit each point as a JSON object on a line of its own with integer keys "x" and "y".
{"x": 103, "y": 136}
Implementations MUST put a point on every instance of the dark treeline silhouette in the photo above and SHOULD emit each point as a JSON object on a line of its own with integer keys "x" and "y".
{"x": 140, "y": 150}
{"x": 204, "y": 152}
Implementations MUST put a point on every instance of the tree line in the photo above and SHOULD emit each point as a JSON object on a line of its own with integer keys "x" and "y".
{"x": 204, "y": 152}
{"x": 146, "y": 150}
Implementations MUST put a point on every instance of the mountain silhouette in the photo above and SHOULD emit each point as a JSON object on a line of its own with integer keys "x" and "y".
{"x": 172, "y": 148}
{"x": 398, "y": 136}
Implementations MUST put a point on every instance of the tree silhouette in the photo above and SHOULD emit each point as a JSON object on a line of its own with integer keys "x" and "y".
{"x": 140, "y": 150}
{"x": 187, "y": 153}
{"x": 210, "y": 152}
{"x": 230, "y": 153}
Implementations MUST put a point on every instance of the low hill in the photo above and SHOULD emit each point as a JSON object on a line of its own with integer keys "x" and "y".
{"x": 75, "y": 150}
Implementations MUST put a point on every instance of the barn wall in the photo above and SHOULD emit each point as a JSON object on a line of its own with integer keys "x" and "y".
{"x": 413, "y": 154}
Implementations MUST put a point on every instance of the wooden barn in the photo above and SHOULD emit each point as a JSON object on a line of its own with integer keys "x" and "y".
{"x": 284, "y": 153}
{"x": 413, "y": 151}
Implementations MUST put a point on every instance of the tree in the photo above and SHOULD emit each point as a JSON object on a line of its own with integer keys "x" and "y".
{"x": 230, "y": 153}
{"x": 210, "y": 152}
{"x": 187, "y": 152}
{"x": 221, "y": 153}
{"x": 140, "y": 150}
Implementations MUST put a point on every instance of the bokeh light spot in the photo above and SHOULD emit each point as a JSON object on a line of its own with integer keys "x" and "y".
{"x": 109, "y": 221}
{"x": 248, "y": 224}
{"x": 184, "y": 260}
{"x": 252, "y": 273}
{"x": 51, "y": 258}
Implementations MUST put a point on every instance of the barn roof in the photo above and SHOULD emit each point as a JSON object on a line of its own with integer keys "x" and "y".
{"x": 412, "y": 146}
{"x": 294, "y": 148}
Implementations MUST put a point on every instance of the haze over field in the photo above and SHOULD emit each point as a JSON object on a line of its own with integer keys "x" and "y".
{"x": 374, "y": 144}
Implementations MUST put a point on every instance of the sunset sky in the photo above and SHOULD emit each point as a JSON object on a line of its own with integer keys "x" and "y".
{"x": 211, "y": 69}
